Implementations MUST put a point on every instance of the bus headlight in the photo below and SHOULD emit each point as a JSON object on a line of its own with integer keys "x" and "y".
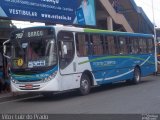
{"x": 13, "y": 80}
{"x": 52, "y": 76}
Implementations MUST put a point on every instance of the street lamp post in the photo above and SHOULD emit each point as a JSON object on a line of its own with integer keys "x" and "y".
{"x": 155, "y": 40}
{"x": 154, "y": 25}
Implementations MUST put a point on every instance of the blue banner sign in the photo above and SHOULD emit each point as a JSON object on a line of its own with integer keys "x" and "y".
{"x": 52, "y": 11}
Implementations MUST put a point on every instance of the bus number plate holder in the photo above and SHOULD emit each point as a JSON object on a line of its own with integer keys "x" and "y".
{"x": 28, "y": 86}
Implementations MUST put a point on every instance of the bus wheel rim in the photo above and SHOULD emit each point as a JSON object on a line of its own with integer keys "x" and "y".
{"x": 84, "y": 85}
{"x": 137, "y": 76}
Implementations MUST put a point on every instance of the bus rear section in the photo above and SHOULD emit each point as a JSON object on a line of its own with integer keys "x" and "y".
{"x": 116, "y": 56}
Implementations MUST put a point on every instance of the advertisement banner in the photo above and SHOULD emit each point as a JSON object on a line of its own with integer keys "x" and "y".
{"x": 80, "y": 12}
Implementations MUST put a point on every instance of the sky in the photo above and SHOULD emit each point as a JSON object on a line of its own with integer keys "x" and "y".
{"x": 147, "y": 7}
{"x": 145, "y": 4}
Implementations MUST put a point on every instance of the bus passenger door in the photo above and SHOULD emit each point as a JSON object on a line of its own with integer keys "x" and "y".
{"x": 66, "y": 59}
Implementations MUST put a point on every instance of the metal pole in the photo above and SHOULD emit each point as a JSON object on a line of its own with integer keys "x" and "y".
{"x": 155, "y": 40}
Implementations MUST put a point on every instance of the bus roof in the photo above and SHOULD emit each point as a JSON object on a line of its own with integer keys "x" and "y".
{"x": 109, "y": 32}
{"x": 88, "y": 30}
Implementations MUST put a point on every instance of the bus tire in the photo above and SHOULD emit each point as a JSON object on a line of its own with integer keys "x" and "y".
{"x": 85, "y": 85}
{"x": 136, "y": 75}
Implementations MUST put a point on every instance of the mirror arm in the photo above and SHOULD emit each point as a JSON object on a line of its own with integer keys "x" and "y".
{"x": 4, "y": 49}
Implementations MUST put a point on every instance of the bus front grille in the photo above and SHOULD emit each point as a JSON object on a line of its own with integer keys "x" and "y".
{"x": 29, "y": 87}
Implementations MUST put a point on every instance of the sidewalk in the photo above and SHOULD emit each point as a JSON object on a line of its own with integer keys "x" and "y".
{"x": 5, "y": 94}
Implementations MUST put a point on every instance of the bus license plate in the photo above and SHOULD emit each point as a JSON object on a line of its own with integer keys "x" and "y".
{"x": 29, "y": 86}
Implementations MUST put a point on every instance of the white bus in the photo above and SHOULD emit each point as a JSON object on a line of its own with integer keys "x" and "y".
{"x": 58, "y": 58}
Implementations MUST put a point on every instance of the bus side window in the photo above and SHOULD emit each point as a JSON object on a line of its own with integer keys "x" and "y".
{"x": 66, "y": 39}
{"x": 129, "y": 46}
{"x": 135, "y": 45}
{"x": 122, "y": 45}
{"x": 117, "y": 45}
{"x": 150, "y": 45}
{"x": 110, "y": 45}
{"x": 82, "y": 44}
{"x": 142, "y": 45}
{"x": 106, "y": 45}
{"x": 97, "y": 44}
{"x": 145, "y": 45}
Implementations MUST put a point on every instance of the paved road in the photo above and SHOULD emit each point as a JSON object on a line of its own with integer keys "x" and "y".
{"x": 117, "y": 99}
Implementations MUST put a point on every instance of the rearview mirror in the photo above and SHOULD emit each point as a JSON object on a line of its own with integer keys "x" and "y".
{"x": 64, "y": 49}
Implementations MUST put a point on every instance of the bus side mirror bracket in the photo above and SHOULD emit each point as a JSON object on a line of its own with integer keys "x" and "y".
{"x": 5, "y": 49}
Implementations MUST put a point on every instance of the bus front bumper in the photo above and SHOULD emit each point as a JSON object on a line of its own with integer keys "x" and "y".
{"x": 52, "y": 85}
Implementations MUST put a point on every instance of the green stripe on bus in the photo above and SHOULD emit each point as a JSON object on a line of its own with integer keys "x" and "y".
{"x": 110, "y": 32}
{"x": 96, "y": 30}
{"x": 111, "y": 57}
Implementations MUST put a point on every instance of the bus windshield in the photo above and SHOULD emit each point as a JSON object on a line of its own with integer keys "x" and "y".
{"x": 34, "y": 53}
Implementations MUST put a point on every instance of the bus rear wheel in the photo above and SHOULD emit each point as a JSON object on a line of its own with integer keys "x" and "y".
{"x": 136, "y": 76}
{"x": 85, "y": 85}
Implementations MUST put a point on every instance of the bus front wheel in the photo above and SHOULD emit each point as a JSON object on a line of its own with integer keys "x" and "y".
{"x": 85, "y": 85}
